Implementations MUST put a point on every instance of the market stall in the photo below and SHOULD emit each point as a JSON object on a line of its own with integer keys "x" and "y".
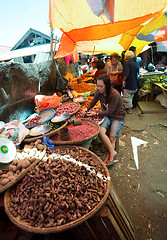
{"x": 42, "y": 155}
{"x": 155, "y": 83}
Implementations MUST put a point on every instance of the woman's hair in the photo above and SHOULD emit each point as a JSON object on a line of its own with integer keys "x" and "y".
{"x": 100, "y": 64}
{"x": 123, "y": 54}
{"x": 106, "y": 79}
{"x": 114, "y": 55}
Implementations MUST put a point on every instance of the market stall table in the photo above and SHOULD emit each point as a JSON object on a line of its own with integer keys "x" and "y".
{"x": 163, "y": 89}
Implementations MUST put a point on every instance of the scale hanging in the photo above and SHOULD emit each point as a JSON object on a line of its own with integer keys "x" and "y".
{"x": 7, "y": 150}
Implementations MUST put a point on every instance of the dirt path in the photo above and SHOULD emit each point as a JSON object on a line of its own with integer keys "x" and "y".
{"x": 142, "y": 191}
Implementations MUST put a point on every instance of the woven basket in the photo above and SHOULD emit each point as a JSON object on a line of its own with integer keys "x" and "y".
{"x": 79, "y": 142}
{"x": 49, "y": 134}
{"x": 26, "y": 227}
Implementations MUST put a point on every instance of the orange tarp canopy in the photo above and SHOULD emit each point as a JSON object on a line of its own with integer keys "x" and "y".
{"x": 82, "y": 29}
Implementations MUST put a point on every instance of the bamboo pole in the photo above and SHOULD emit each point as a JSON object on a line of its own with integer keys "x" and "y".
{"x": 55, "y": 47}
{"x": 51, "y": 43}
{"x": 93, "y": 51}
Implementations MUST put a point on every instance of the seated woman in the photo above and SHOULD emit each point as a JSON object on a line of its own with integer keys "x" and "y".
{"x": 113, "y": 113}
{"x": 100, "y": 65}
{"x": 92, "y": 70}
{"x": 115, "y": 70}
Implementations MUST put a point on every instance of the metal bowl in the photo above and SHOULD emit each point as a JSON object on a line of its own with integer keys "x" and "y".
{"x": 80, "y": 99}
{"x": 45, "y": 116}
{"x": 60, "y": 118}
{"x": 39, "y": 130}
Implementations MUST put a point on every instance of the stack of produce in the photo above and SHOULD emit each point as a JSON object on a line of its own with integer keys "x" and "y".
{"x": 79, "y": 132}
{"x": 70, "y": 108}
{"x": 96, "y": 119}
{"x": 54, "y": 126}
{"x": 164, "y": 84}
{"x": 23, "y": 160}
{"x": 82, "y": 87}
{"x": 33, "y": 121}
{"x": 88, "y": 100}
{"x": 65, "y": 187}
{"x": 158, "y": 79}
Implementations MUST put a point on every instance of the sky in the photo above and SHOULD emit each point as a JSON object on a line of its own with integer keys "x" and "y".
{"x": 18, "y": 16}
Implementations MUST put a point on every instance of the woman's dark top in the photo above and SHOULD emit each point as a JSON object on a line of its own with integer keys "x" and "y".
{"x": 98, "y": 73}
{"x": 114, "y": 108}
{"x": 130, "y": 71}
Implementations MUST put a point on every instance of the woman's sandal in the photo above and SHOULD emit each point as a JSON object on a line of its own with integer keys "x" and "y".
{"x": 112, "y": 162}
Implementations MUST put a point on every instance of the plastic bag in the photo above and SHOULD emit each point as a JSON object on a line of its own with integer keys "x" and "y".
{"x": 43, "y": 102}
{"x": 15, "y": 131}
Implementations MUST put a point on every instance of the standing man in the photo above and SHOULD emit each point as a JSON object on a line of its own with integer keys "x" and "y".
{"x": 138, "y": 60}
{"x": 130, "y": 82}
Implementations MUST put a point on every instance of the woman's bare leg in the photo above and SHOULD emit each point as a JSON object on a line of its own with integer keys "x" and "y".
{"x": 112, "y": 140}
{"x": 105, "y": 139}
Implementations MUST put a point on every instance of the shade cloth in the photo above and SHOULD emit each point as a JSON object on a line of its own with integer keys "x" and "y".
{"x": 82, "y": 29}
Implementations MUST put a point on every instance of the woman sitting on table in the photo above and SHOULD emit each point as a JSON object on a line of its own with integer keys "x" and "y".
{"x": 113, "y": 113}
{"x": 92, "y": 71}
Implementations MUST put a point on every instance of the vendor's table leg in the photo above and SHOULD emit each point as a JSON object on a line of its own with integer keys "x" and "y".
{"x": 152, "y": 95}
{"x": 165, "y": 94}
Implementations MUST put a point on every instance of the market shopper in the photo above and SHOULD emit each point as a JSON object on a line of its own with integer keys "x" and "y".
{"x": 113, "y": 113}
{"x": 100, "y": 65}
{"x": 122, "y": 59}
{"x": 130, "y": 82}
{"x": 138, "y": 61}
{"x": 115, "y": 70}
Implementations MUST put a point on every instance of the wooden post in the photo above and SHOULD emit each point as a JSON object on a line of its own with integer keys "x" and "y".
{"x": 93, "y": 51}
{"x": 51, "y": 43}
{"x": 54, "y": 47}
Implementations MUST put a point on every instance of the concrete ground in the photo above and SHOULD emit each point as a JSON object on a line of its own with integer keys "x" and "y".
{"x": 143, "y": 191}
{"x": 139, "y": 121}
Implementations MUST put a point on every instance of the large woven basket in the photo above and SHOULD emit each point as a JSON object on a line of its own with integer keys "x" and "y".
{"x": 26, "y": 227}
{"x": 79, "y": 142}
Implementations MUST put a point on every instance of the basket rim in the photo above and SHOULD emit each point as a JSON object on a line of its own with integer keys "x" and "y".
{"x": 77, "y": 142}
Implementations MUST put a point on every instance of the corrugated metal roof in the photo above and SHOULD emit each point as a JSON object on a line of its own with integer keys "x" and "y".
{"x": 28, "y": 51}
{"x": 42, "y": 57}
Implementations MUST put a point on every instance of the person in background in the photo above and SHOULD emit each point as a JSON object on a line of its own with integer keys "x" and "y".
{"x": 100, "y": 65}
{"x": 113, "y": 112}
{"x": 138, "y": 61}
{"x": 114, "y": 70}
{"x": 161, "y": 63}
{"x": 92, "y": 70}
{"x": 107, "y": 59}
{"x": 130, "y": 82}
{"x": 122, "y": 60}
